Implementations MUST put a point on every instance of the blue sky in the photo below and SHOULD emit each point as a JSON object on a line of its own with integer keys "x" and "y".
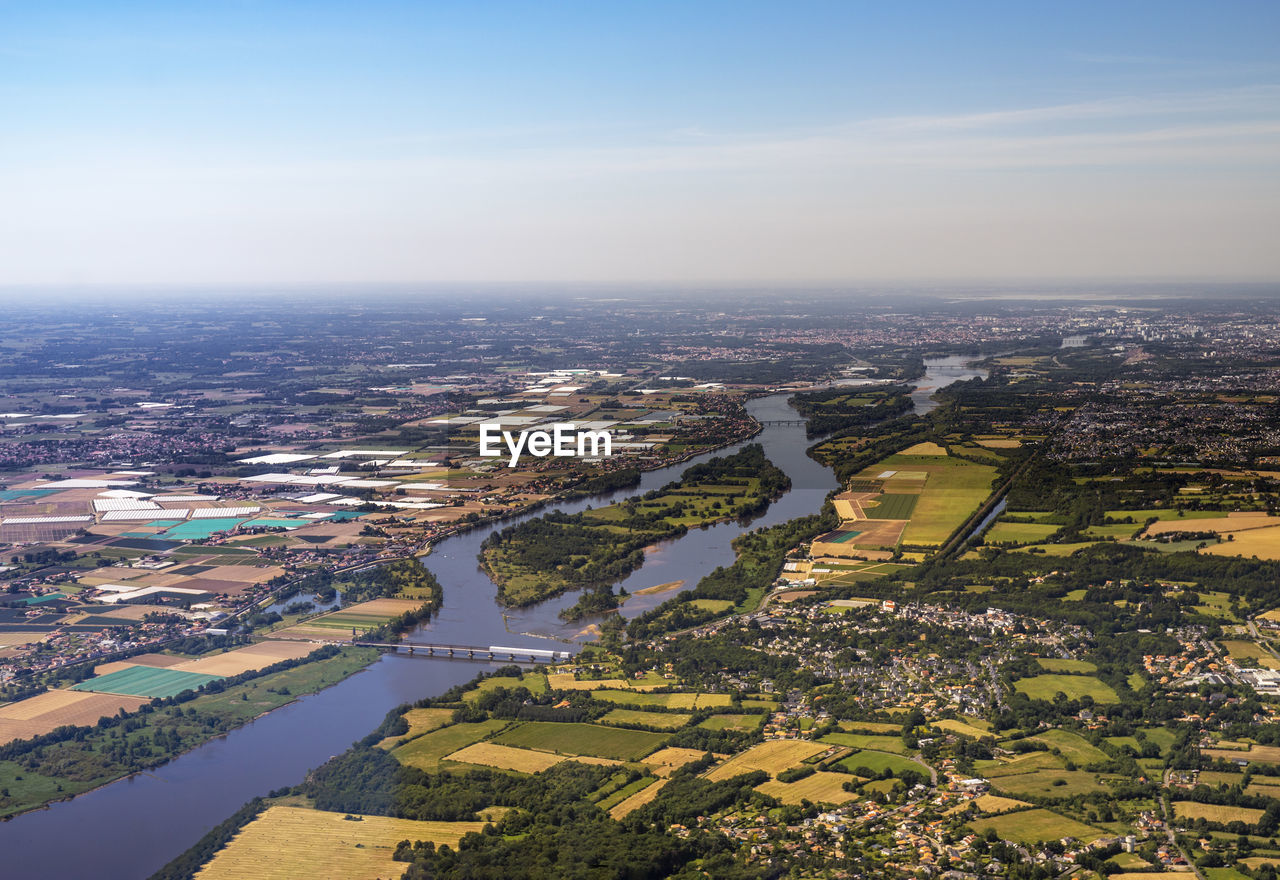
{"x": 321, "y": 142}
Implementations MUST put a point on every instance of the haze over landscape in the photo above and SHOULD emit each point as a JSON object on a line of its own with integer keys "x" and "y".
{"x": 724, "y": 141}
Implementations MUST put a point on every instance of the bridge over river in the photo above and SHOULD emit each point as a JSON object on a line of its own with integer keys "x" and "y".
{"x": 471, "y": 652}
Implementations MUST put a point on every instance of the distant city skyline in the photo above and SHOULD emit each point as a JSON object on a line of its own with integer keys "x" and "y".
{"x": 326, "y": 143}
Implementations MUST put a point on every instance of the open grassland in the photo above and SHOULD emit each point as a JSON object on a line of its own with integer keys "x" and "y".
{"x": 663, "y": 720}
{"x": 534, "y": 682}
{"x": 426, "y": 751}
{"x": 568, "y": 738}
{"x": 487, "y": 754}
{"x": 1049, "y": 784}
{"x": 667, "y": 701}
{"x": 1027, "y": 763}
{"x": 733, "y": 722}
{"x": 1073, "y": 746}
{"x": 1045, "y": 687}
{"x": 420, "y": 721}
{"x": 1216, "y": 812}
{"x": 869, "y": 763}
{"x": 870, "y": 727}
{"x": 772, "y": 757}
{"x": 926, "y": 448}
{"x": 1032, "y": 826}
{"x": 1250, "y": 651}
{"x": 288, "y": 842}
{"x": 1053, "y": 664}
{"x": 820, "y": 788}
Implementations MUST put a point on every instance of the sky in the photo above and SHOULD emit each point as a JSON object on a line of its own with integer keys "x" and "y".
{"x": 434, "y": 141}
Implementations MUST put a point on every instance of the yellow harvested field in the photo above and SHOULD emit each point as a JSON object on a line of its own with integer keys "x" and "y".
{"x": 1242, "y": 521}
{"x": 1262, "y": 543}
{"x": 1261, "y": 754}
{"x": 637, "y": 800}
{"x": 12, "y": 639}
{"x": 158, "y": 661}
{"x": 288, "y": 842}
{"x": 52, "y": 709}
{"x": 772, "y": 757}
{"x": 566, "y": 681}
{"x": 420, "y": 721}
{"x": 1000, "y": 444}
{"x": 487, "y": 754}
{"x": 248, "y": 658}
{"x": 992, "y": 803}
{"x": 964, "y": 729}
{"x": 928, "y": 448}
{"x": 666, "y": 761}
{"x": 1216, "y": 812}
{"x": 820, "y": 788}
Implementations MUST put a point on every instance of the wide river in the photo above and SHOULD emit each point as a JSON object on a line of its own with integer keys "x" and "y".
{"x": 132, "y": 827}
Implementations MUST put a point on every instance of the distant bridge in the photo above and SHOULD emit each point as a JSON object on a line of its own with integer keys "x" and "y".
{"x": 472, "y": 652}
{"x": 800, "y": 422}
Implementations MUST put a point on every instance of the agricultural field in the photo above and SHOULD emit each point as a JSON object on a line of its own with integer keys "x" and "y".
{"x": 1044, "y": 687}
{"x": 488, "y": 754}
{"x": 1216, "y": 812}
{"x": 991, "y": 804}
{"x": 1033, "y": 826}
{"x": 45, "y": 712}
{"x": 952, "y": 725}
{"x": 636, "y": 801}
{"x": 349, "y": 622}
{"x": 420, "y": 721}
{"x": 666, "y": 701}
{"x": 1073, "y": 746}
{"x": 568, "y": 738}
{"x": 1048, "y": 784}
{"x": 664, "y": 720}
{"x": 878, "y": 762}
{"x": 664, "y": 761}
{"x": 321, "y": 844}
{"x": 1004, "y": 532}
{"x": 772, "y": 757}
{"x": 865, "y": 741}
{"x": 1250, "y": 654}
{"x": 1254, "y": 754}
{"x": 426, "y": 751}
{"x": 145, "y": 681}
{"x": 1055, "y": 664}
{"x": 246, "y": 659}
{"x": 732, "y": 722}
{"x": 820, "y": 788}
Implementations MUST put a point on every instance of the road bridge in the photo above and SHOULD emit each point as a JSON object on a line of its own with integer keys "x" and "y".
{"x": 472, "y": 652}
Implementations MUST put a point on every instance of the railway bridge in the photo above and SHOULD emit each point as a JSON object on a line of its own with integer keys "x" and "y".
{"x": 471, "y": 652}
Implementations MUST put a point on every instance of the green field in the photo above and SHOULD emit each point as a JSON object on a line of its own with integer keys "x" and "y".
{"x": 664, "y": 720}
{"x": 568, "y": 738}
{"x": 146, "y": 681}
{"x": 733, "y": 722}
{"x": 1018, "y": 533}
{"x": 893, "y": 506}
{"x": 1044, "y": 687}
{"x": 1053, "y": 664}
{"x": 955, "y": 488}
{"x": 426, "y": 751}
{"x": 1033, "y": 826}
{"x": 877, "y": 762}
{"x": 1073, "y": 746}
{"x": 1048, "y": 784}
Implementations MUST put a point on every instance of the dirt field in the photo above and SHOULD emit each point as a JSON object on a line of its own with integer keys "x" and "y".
{"x": 43, "y": 713}
{"x": 247, "y": 658}
{"x": 772, "y": 757}
{"x": 287, "y": 842}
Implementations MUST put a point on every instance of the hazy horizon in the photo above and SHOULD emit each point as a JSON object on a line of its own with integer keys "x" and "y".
{"x": 719, "y": 144}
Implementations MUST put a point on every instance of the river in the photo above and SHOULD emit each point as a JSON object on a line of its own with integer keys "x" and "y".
{"x": 132, "y": 827}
